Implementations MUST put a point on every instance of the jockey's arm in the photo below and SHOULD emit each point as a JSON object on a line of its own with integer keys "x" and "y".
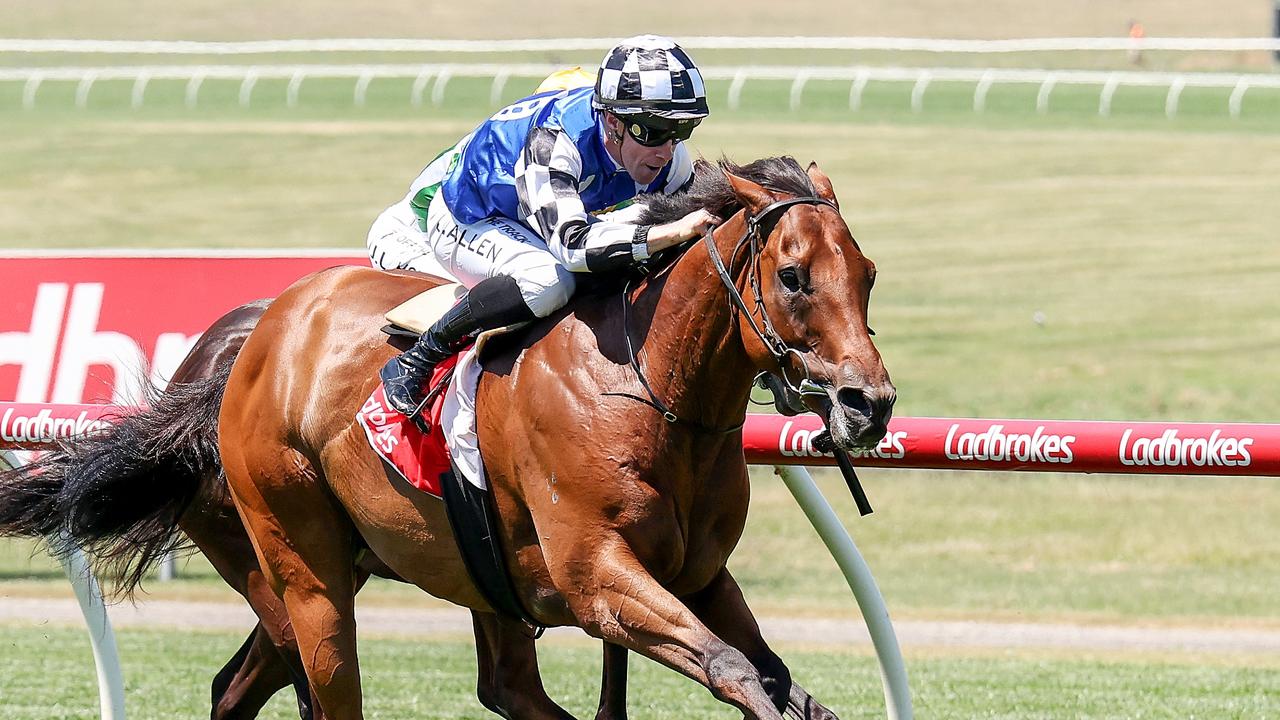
{"x": 547, "y": 180}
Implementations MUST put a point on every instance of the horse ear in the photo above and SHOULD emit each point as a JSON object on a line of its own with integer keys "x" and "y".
{"x": 753, "y": 197}
{"x": 822, "y": 183}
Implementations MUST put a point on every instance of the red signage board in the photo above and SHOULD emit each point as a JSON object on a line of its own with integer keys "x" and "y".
{"x": 87, "y": 328}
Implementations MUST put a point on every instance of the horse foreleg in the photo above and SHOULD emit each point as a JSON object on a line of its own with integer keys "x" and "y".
{"x": 509, "y": 683}
{"x": 615, "y": 599}
{"x": 722, "y": 607}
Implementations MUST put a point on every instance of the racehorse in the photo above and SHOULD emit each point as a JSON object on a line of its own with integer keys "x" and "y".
{"x": 120, "y": 492}
{"x": 610, "y": 432}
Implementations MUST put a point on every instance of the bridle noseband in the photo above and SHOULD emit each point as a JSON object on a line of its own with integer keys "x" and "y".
{"x": 753, "y": 241}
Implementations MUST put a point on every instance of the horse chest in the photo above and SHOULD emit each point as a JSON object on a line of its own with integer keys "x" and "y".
{"x": 693, "y": 527}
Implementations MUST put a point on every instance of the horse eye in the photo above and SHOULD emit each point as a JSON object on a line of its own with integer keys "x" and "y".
{"x": 790, "y": 279}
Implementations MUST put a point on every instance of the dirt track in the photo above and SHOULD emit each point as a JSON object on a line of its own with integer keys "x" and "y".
{"x": 403, "y": 622}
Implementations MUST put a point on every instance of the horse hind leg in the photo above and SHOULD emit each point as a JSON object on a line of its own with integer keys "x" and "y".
{"x": 253, "y": 675}
{"x": 306, "y": 547}
{"x": 613, "y": 684}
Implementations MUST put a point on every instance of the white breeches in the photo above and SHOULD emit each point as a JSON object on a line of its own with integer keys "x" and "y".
{"x": 471, "y": 253}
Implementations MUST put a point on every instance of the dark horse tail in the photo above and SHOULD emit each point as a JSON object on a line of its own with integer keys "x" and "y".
{"x": 118, "y": 494}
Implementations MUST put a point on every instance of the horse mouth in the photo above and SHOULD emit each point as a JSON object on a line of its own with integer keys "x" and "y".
{"x": 855, "y": 425}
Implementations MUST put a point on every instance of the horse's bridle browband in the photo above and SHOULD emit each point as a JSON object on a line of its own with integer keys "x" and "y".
{"x": 753, "y": 240}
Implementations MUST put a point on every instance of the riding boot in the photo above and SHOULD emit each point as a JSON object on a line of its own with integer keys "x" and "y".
{"x": 494, "y": 302}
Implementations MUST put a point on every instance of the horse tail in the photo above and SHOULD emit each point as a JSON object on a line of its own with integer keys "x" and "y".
{"x": 118, "y": 493}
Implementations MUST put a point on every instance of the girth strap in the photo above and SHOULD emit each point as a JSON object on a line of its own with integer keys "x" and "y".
{"x": 475, "y": 529}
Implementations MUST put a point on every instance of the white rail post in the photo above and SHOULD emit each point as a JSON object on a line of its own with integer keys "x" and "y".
{"x": 1108, "y": 90}
{"x": 1042, "y": 97}
{"x": 103, "y": 641}
{"x": 193, "y": 90}
{"x": 437, "y": 90}
{"x": 893, "y": 672}
{"x": 246, "y": 86}
{"x": 735, "y": 88}
{"x": 917, "y": 91}
{"x": 980, "y": 92}
{"x": 294, "y": 89}
{"x": 362, "y": 86}
{"x": 499, "y": 83}
{"x": 83, "y": 88}
{"x": 420, "y": 84}
{"x": 139, "y": 89}
{"x": 29, "y": 91}
{"x": 856, "y": 89}
{"x": 1237, "y": 98}
{"x": 797, "y": 88}
{"x": 1171, "y": 100}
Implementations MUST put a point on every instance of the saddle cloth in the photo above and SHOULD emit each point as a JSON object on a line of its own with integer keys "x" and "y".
{"x": 421, "y": 457}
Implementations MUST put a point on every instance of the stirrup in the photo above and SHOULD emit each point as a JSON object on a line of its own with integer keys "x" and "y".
{"x": 393, "y": 371}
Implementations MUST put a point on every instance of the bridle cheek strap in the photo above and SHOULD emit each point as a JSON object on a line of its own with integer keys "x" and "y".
{"x": 753, "y": 238}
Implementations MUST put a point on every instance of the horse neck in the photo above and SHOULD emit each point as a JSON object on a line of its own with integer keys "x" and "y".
{"x": 693, "y": 353}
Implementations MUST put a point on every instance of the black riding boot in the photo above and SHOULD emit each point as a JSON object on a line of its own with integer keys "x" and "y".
{"x": 494, "y": 302}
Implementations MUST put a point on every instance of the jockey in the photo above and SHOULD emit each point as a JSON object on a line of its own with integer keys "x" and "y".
{"x": 508, "y": 210}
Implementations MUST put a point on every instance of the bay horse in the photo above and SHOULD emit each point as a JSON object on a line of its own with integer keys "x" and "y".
{"x": 612, "y": 518}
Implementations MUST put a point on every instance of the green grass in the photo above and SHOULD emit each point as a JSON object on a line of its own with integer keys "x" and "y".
{"x": 45, "y": 675}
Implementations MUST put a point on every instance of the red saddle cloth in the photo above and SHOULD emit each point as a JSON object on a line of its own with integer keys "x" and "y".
{"x": 418, "y": 456}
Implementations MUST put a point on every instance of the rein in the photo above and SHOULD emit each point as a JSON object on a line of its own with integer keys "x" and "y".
{"x": 753, "y": 240}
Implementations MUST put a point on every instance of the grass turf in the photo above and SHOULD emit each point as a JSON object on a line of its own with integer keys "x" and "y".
{"x": 47, "y": 676}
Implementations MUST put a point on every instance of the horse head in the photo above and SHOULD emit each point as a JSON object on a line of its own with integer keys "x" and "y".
{"x": 807, "y": 286}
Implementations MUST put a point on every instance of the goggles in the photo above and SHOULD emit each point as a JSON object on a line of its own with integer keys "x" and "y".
{"x": 652, "y": 131}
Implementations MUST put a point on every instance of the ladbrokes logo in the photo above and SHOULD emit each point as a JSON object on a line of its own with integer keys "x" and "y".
{"x": 43, "y": 427}
{"x": 995, "y": 445}
{"x": 63, "y": 347}
{"x": 798, "y": 442}
{"x": 1169, "y": 449}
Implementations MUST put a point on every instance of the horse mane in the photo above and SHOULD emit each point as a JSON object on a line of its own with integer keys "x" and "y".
{"x": 709, "y": 188}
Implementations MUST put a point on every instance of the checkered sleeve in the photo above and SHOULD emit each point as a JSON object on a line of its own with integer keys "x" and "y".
{"x": 547, "y": 176}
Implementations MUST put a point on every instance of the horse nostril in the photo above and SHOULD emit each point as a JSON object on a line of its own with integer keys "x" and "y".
{"x": 854, "y": 399}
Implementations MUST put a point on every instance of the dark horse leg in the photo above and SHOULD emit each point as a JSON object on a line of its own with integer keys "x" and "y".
{"x": 252, "y": 676}
{"x": 509, "y": 683}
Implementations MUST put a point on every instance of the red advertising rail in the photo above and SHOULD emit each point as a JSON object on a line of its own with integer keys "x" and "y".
{"x": 942, "y": 443}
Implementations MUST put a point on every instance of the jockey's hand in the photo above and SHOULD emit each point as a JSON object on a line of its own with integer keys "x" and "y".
{"x": 690, "y": 227}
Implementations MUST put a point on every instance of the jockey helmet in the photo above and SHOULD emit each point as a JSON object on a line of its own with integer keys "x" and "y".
{"x": 653, "y": 76}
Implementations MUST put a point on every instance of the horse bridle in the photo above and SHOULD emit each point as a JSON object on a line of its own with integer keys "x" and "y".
{"x": 753, "y": 240}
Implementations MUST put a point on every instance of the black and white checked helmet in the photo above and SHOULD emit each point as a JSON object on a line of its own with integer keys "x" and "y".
{"x": 650, "y": 74}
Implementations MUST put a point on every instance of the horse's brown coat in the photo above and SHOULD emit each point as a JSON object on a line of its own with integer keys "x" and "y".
{"x": 609, "y": 515}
